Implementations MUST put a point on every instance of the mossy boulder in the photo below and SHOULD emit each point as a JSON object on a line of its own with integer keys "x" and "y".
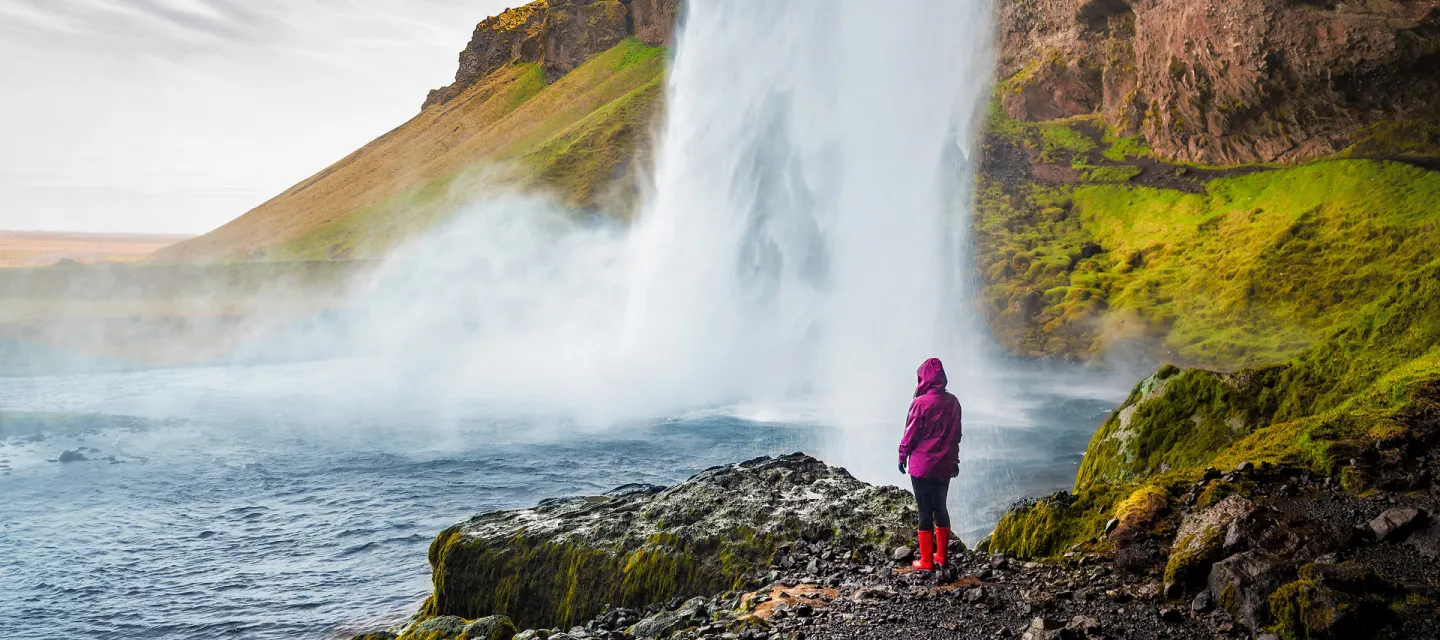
{"x": 438, "y": 628}
{"x": 1345, "y": 600}
{"x": 1199, "y": 542}
{"x": 1176, "y": 419}
{"x": 555, "y": 565}
{"x": 490, "y": 628}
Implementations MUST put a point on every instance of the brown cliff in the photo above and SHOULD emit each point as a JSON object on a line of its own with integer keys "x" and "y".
{"x": 559, "y": 34}
{"x": 1223, "y": 82}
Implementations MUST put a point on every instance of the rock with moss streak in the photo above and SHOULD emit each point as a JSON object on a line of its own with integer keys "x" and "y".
{"x": 1176, "y": 419}
{"x": 1199, "y": 542}
{"x": 555, "y": 565}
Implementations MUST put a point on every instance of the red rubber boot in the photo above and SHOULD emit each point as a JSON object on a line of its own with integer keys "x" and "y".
{"x": 927, "y": 552}
{"x": 942, "y": 545}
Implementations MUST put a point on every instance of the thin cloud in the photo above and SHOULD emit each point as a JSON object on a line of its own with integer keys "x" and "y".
{"x": 236, "y": 98}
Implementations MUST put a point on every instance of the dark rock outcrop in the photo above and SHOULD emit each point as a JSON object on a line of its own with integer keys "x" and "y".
{"x": 558, "y": 563}
{"x": 577, "y": 29}
{"x": 558, "y": 34}
{"x": 655, "y": 21}
{"x": 511, "y": 36}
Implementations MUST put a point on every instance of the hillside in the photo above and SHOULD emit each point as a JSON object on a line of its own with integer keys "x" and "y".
{"x": 1221, "y": 198}
{"x": 1251, "y": 188}
{"x": 559, "y": 94}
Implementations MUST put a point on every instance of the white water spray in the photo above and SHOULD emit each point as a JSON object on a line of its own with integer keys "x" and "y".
{"x": 804, "y": 248}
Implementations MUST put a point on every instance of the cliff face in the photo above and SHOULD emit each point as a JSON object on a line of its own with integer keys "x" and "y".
{"x": 1218, "y": 82}
{"x": 1120, "y": 199}
{"x": 558, "y": 34}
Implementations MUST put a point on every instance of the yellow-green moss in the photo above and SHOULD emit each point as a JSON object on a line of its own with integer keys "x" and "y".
{"x": 1330, "y": 601}
{"x": 1197, "y": 414}
{"x": 1250, "y": 272}
{"x": 1050, "y": 526}
{"x": 1191, "y": 557}
{"x": 543, "y": 584}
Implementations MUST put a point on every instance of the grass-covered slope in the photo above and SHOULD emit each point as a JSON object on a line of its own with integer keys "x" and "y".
{"x": 1373, "y": 377}
{"x": 1085, "y": 241}
{"x": 576, "y": 137}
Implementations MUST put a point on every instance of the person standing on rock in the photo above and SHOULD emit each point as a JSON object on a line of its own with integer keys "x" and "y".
{"x": 930, "y": 453}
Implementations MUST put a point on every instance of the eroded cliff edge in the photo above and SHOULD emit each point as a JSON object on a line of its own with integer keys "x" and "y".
{"x": 1208, "y": 183}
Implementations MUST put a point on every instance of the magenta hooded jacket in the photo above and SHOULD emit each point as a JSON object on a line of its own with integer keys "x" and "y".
{"x": 931, "y": 445}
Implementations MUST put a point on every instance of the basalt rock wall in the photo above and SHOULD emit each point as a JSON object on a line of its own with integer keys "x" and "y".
{"x": 1223, "y": 82}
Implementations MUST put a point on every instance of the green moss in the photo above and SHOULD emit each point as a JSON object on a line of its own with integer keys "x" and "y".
{"x": 1050, "y": 526}
{"x": 1122, "y": 148}
{"x": 633, "y": 52}
{"x": 1404, "y": 138}
{"x": 583, "y": 161}
{"x": 1191, "y": 558}
{"x": 542, "y": 584}
{"x": 1121, "y": 173}
{"x": 1250, "y": 272}
{"x": 1330, "y": 601}
{"x": 1177, "y": 421}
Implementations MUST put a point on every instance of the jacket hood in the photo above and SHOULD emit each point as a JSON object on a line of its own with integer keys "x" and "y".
{"x": 930, "y": 376}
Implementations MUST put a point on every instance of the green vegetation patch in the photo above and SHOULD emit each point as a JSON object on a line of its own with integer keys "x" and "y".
{"x": 1049, "y": 526}
{"x": 1249, "y": 273}
{"x": 1343, "y": 600}
{"x": 545, "y": 584}
{"x": 1177, "y": 420}
{"x": 1370, "y": 379}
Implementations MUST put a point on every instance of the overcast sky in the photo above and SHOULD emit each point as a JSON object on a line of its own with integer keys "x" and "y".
{"x": 178, "y": 115}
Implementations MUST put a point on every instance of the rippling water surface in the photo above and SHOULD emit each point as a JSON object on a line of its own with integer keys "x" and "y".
{"x": 236, "y": 502}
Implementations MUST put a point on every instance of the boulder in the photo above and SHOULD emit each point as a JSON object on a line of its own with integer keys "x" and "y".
{"x": 1199, "y": 541}
{"x": 1395, "y": 524}
{"x": 490, "y": 628}
{"x": 1242, "y": 583}
{"x": 692, "y": 613}
{"x": 660, "y": 625}
{"x": 1343, "y": 600}
{"x": 1045, "y": 624}
{"x": 438, "y": 628}
{"x": 555, "y": 565}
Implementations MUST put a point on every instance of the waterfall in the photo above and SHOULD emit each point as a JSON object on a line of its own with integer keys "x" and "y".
{"x": 804, "y": 248}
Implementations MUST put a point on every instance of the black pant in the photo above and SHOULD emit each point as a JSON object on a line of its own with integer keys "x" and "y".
{"x": 930, "y": 500}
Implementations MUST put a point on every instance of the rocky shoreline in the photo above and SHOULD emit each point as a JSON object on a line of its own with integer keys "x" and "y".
{"x": 791, "y": 548}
